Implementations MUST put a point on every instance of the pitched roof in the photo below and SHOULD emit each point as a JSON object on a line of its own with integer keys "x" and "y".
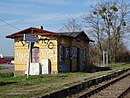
{"x": 48, "y": 33}
{"x": 76, "y": 34}
{"x": 71, "y": 34}
{"x": 31, "y": 29}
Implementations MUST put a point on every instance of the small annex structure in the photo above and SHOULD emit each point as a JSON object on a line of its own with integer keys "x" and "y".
{"x": 55, "y": 52}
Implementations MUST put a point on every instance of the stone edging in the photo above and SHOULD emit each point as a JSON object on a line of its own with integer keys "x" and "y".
{"x": 81, "y": 86}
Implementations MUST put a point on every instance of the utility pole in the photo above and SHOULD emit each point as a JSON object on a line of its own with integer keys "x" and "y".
{"x": 105, "y": 58}
{"x": 30, "y": 39}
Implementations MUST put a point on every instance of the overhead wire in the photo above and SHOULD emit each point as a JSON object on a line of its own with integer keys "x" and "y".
{"x": 9, "y": 24}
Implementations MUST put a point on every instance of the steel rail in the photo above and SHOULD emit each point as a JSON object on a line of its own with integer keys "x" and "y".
{"x": 124, "y": 93}
{"x": 90, "y": 93}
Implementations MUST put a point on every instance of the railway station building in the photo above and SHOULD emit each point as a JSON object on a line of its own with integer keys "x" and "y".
{"x": 54, "y": 52}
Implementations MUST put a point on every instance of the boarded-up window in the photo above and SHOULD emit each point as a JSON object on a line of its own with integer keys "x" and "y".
{"x": 83, "y": 54}
{"x": 35, "y": 55}
{"x": 67, "y": 52}
{"x": 60, "y": 53}
{"x": 74, "y": 52}
{"x": 64, "y": 53}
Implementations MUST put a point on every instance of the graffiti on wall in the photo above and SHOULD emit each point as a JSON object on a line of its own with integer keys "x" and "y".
{"x": 47, "y": 41}
{"x": 64, "y": 67}
{"x": 50, "y": 54}
{"x": 64, "y": 53}
{"x": 21, "y": 57}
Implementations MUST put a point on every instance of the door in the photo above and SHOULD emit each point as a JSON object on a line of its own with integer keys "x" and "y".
{"x": 78, "y": 59}
{"x": 35, "y": 55}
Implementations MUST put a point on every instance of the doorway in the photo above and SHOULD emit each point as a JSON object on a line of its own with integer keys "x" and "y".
{"x": 35, "y": 55}
{"x": 78, "y": 59}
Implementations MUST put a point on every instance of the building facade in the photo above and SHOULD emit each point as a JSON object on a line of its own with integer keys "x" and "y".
{"x": 65, "y": 51}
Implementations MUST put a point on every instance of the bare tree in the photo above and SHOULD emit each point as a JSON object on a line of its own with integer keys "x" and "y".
{"x": 71, "y": 25}
{"x": 93, "y": 23}
{"x": 108, "y": 22}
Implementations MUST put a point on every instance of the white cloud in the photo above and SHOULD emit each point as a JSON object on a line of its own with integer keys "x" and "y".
{"x": 50, "y": 18}
{"x": 88, "y": 3}
{"x": 13, "y": 8}
{"x": 56, "y": 2}
{"x": 27, "y": 7}
{"x": 42, "y": 18}
{"x": 26, "y": 3}
{"x": 15, "y": 5}
{"x": 47, "y": 17}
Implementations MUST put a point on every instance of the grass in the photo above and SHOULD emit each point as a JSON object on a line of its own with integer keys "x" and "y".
{"x": 1, "y": 68}
{"x": 19, "y": 87}
{"x": 119, "y": 66}
{"x": 5, "y": 75}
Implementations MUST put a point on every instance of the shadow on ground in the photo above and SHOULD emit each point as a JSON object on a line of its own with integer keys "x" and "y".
{"x": 6, "y": 83}
{"x": 93, "y": 68}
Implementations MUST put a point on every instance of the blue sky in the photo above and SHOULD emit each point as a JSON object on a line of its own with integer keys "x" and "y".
{"x": 51, "y": 14}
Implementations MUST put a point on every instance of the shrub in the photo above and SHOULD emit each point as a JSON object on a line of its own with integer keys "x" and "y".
{"x": 5, "y": 75}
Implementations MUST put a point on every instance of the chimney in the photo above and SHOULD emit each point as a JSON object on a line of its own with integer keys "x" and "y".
{"x": 40, "y": 27}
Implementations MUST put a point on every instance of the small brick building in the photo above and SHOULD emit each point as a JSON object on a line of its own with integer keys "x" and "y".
{"x": 67, "y": 51}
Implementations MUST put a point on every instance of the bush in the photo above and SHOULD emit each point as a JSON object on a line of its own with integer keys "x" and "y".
{"x": 5, "y": 75}
{"x": 93, "y": 68}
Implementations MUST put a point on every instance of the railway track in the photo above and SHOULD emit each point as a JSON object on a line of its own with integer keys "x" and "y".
{"x": 125, "y": 93}
{"x": 117, "y": 88}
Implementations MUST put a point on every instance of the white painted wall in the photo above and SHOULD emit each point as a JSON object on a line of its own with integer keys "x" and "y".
{"x": 45, "y": 66}
{"x": 34, "y": 69}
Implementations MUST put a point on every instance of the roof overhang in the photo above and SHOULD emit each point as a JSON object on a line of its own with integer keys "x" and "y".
{"x": 32, "y": 31}
{"x": 36, "y": 31}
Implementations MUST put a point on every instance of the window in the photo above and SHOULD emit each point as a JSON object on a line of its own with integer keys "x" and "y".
{"x": 63, "y": 53}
